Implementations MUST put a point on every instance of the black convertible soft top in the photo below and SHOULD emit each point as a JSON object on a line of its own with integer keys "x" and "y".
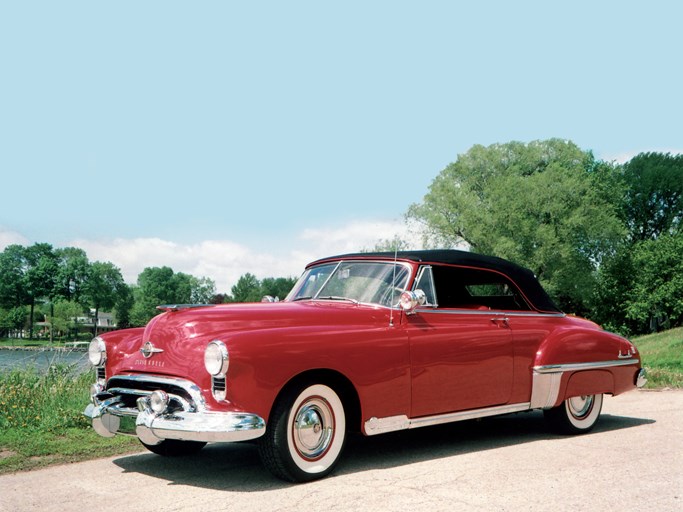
{"x": 523, "y": 277}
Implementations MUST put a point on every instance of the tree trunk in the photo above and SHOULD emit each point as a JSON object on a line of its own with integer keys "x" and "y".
{"x": 30, "y": 320}
{"x": 97, "y": 313}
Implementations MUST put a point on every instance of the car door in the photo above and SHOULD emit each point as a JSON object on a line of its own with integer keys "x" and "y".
{"x": 461, "y": 349}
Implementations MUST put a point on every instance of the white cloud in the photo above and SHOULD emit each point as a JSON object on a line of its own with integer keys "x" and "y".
{"x": 622, "y": 158}
{"x": 354, "y": 236}
{"x": 221, "y": 260}
{"x": 225, "y": 261}
{"x": 8, "y": 237}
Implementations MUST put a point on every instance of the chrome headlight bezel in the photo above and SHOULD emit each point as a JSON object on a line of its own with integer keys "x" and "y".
{"x": 97, "y": 351}
{"x": 216, "y": 358}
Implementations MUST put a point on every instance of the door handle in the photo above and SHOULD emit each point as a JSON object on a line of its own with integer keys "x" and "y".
{"x": 503, "y": 320}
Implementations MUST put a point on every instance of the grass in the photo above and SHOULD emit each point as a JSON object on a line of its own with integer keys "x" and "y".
{"x": 41, "y": 422}
{"x": 662, "y": 355}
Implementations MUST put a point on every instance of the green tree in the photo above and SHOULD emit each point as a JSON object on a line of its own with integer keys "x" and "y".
{"x": 12, "y": 268}
{"x": 650, "y": 189}
{"x": 160, "y": 285}
{"x": 202, "y": 290}
{"x": 539, "y": 204}
{"x": 124, "y": 306}
{"x": 389, "y": 245}
{"x": 12, "y": 319}
{"x": 72, "y": 273}
{"x": 38, "y": 280}
{"x": 247, "y": 289}
{"x": 653, "y": 205}
{"x": 276, "y": 286}
{"x": 65, "y": 314}
{"x": 102, "y": 287}
{"x": 656, "y": 298}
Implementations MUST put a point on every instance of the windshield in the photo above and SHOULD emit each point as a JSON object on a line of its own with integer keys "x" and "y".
{"x": 357, "y": 281}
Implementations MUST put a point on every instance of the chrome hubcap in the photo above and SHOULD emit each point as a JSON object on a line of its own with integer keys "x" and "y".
{"x": 580, "y": 406}
{"x": 313, "y": 428}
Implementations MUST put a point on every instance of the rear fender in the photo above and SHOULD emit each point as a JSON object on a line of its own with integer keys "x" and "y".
{"x": 577, "y": 362}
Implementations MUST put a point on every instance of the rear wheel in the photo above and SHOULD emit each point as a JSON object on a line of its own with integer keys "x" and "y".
{"x": 174, "y": 447}
{"x": 306, "y": 434}
{"x": 576, "y": 415}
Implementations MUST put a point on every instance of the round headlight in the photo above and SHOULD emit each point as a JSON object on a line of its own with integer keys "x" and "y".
{"x": 97, "y": 351}
{"x": 216, "y": 358}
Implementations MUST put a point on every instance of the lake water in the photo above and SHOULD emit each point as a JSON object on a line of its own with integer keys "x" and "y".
{"x": 42, "y": 359}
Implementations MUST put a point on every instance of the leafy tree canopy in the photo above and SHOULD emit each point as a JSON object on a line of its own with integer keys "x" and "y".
{"x": 653, "y": 205}
{"x": 160, "y": 285}
{"x": 543, "y": 205}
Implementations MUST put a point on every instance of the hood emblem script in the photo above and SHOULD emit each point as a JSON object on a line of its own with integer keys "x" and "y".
{"x": 148, "y": 350}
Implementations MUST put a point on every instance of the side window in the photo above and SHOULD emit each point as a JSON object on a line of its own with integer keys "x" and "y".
{"x": 466, "y": 288}
{"x": 425, "y": 282}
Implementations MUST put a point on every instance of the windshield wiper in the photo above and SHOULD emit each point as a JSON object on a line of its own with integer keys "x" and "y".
{"x": 307, "y": 297}
{"x": 335, "y": 297}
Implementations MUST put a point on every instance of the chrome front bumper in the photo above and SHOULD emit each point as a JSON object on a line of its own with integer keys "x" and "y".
{"x": 112, "y": 414}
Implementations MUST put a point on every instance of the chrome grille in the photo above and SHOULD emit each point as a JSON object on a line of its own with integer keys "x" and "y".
{"x": 184, "y": 395}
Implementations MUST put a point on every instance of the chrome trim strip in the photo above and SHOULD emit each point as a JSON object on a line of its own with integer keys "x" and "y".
{"x": 392, "y": 423}
{"x": 545, "y": 388}
{"x": 554, "y": 368}
{"x": 546, "y": 379}
{"x": 463, "y": 311}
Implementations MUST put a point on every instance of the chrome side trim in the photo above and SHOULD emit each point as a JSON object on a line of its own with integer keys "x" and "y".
{"x": 545, "y": 388}
{"x": 546, "y": 379}
{"x": 392, "y": 423}
{"x": 463, "y": 311}
{"x": 553, "y": 368}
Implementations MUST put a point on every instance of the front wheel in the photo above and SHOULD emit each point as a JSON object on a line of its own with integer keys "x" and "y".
{"x": 305, "y": 435}
{"x": 576, "y": 415}
{"x": 174, "y": 447}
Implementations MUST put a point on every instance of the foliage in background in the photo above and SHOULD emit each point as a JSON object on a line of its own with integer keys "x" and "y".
{"x": 249, "y": 289}
{"x": 160, "y": 285}
{"x": 540, "y": 204}
{"x": 640, "y": 285}
{"x": 653, "y": 204}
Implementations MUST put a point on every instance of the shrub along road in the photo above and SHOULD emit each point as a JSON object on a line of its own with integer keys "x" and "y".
{"x": 633, "y": 460}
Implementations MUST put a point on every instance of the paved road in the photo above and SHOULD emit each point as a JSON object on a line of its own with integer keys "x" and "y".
{"x": 632, "y": 461}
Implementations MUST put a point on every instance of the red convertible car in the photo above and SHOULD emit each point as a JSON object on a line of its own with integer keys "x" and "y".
{"x": 369, "y": 342}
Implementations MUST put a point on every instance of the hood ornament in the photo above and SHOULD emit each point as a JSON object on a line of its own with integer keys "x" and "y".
{"x": 148, "y": 350}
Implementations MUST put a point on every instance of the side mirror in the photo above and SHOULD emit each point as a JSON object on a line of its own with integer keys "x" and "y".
{"x": 411, "y": 300}
{"x": 268, "y": 298}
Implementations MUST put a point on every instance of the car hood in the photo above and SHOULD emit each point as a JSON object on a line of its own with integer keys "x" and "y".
{"x": 178, "y": 338}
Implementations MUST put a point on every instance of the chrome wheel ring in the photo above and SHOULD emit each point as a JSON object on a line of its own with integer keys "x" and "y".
{"x": 313, "y": 428}
{"x": 580, "y": 406}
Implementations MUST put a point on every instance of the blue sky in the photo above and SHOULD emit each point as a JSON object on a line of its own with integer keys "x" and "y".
{"x": 221, "y": 138}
